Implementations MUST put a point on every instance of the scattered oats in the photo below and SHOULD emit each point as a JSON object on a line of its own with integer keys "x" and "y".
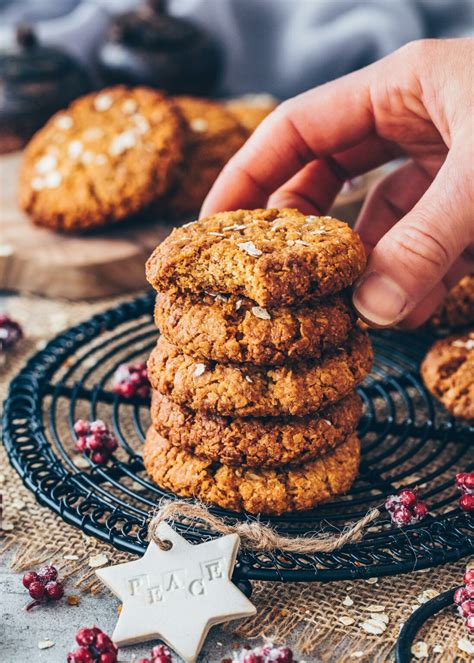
{"x": 63, "y": 122}
{"x": 45, "y": 644}
{"x": 98, "y": 560}
{"x": 122, "y": 143}
{"x": 327, "y": 217}
{"x": 466, "y": 645}
{"x": 190, "y": 223}
{"x": 72, "y": 600}
{"x": 250, "y": 248}
{"x": 71, "y": 558}
{"x": 19, "y": 504}
{"x": 46, "y": 163}
{"x": 379, "y": 617}
{"x": 374, "y": 627}
{"x": 468, "y": 345}
{"x": 214, "y": 234}
{"x": 348, "y": 601}
{"x": 93, "y": 133}
{"x": 420, "y": 649}
{"x": 301, "y": 242}
{"x": 318, "y": 232}
{"x": 427, "y": 595}
{"x": 326, "y": 421}
{"x": 129, "y": 106}
{"x": 261, "y": 313}
{"x": 80, "y": 462}
{"x": 74, "y": 149}
{"x": 199, "y": 124}
{"x": 103, "y": 102}
{"x": 37, "y": 184}
{"x": 371, "y": 581}
{"x": 220, "y": 298}
{"x": 41, "y": 344}
{"x": 141, "y": 123}
{"x": 87, "y": 157}
{"x": 235, "y": 227}
{"x": 311, "y": 217}
{"x": 290, "y": 242}
{"x": 438, "y": 649}
{"x": 249, "y": 379}
{"x": 357, "y": 654}
{"x": 199, "y": 370}
{"x": 238, "y": 304}
{"x": 7, "y": 527}
{"x": 374, "y": 607}
{"x": 53, "y": 179}
{"x": 100, "y": 159}
{"x": 6, "y": 250}
{"x": 347, "y": 621}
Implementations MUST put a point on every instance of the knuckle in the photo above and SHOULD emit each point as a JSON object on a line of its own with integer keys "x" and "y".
{"x": 417, "y": 249}
{"x": 418, "y": 51}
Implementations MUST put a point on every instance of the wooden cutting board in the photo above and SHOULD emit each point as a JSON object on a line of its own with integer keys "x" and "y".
{"x": 40, "y": 261}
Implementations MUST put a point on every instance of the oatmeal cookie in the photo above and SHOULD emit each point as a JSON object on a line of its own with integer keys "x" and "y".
{"x": 267, "y": 491}
{"x": 234, "y": 329}
{"x": 448, "y": 372}
{"x": 275, "y": 257}
{"x": 105, "y": 157}
{"x": 252, "y": 109}
{"x": 295, "y": 389}
{"x": 254, "y": 442}
{"x": 213, "y": 135}
{"x": 457, "y": 310}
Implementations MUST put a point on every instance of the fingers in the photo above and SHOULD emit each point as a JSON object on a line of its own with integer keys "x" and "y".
{"x": 315, "y": 187}
{"x": 411, "y": 258}
{"x": 308, "y": 127}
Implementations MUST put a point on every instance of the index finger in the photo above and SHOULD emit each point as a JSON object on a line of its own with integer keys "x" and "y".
{"x": 330, "y": 118}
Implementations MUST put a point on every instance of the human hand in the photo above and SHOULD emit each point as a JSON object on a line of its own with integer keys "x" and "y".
{"x": 418, "y": 223}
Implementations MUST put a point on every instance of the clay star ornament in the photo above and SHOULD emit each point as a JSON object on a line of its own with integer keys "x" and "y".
{"x": 176, "y": 595}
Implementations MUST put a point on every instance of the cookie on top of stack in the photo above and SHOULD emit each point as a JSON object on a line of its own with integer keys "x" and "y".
{"x": 254, "y": 405}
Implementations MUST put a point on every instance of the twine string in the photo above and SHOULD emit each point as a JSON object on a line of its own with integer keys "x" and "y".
{"x": 255, "y": 535}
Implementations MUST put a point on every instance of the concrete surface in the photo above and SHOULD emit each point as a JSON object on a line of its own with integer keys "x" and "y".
{"x": 20, "y": 631}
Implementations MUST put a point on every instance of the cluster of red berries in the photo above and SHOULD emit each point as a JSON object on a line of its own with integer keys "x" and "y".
{"x": 405, "y": 508}
{"x": 159, "y": 654}
{"x": 10, "y": 332}
{"x": 131, "y": 380}
{"x": 95, "y": 440}
{"x": 464, "y": 599}
{"x": 267, "y": 654}
{"x": 43, "y": 585}
{"x": 95, "y": 646}
{"x": 465, "y": 483}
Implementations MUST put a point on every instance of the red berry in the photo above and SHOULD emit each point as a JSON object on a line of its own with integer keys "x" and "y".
{"x": 98, "y": 426}
{"x": 391, "y": 502}
{"x": 460, "y": 595}
{"x": 131, "y": 380}
{"x": 29, "y": 577}
{"x": 10, "y": 332}
{"x": 285, "y": 655}
{"x": 81, "y": 655}
{"x": 251, "y": 657}
{"x": 54, "y": 590}
{"x": 407, "y": 497}
{"x": 81, "y": 444}
{"x": 466, "y": 608}
{"x": 108, "y": 657}
{"x": 47, "y": 573}
{"x": 469, "y": 576}
{"x": 420, "y": 510}
{"x": 110, "y": 443}
{"x": 103, "y": 643}
{"x": 401, "y": 516}
{"x": 469, "y": 587}
{"x": 81, "y": 427}
{"x": 100, "y": 457}
{"x": 469, "y": 483}
{"x": 94, "y": 442}
{"x": 470, "y": 623}
{"x": 85, "y": 637}
{"x": 36, "y": 590}
{"x": 144, "y": 660}
{"x": 161, "y": 654}
{"x": 466, "y": 502}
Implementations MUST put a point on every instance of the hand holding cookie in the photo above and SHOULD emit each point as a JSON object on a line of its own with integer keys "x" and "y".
{"x": 417, "y": 224}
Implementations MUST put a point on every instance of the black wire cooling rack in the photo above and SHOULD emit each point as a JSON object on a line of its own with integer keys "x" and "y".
{"x": 407, "y": 440}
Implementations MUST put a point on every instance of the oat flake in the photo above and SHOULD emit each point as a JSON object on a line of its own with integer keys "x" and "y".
{"x": 74, "y": 149}
{"x": 46, "y": 163}
{"x": 45, "y": 644}
{"x": 238, "y": 304}
{"x": 249, "y": 379}
{"x": 357, "y": 654}
{"x": 199, "y": 124}
{"x": 372, "y": 581}
{"x": 64, "y": 122}
{"x": 199, "y": 370}
{"x": 466, "y": 646}
{"x": 122, "y": 143}
{"x": 235, "y": 227}
{"x": 53, "y": 179}
{"x": 250, "y": 248}
{"x": 347, "y": 621}
{"x": 261, "y": 313}
{"x": 348, "y": 601}
{"x": 129, "y": 106}
{"x": 103, "y": 102}
{"x": 420, "y": 649}
{"x": 374, "y": 607}
{"x": 214, "y": 234}
{"x": 98, "y": 560}
{"x": 373, "y": 627}
{"x": 71, "y": 557}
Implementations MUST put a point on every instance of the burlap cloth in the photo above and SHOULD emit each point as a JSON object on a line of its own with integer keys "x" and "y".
{"x": 306, "y": 615}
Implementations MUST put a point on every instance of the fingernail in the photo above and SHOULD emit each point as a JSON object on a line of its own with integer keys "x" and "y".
{"x": 379, "y": 300}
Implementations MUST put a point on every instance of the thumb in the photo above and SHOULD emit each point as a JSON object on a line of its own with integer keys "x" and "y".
{"x": 414, "y": 255}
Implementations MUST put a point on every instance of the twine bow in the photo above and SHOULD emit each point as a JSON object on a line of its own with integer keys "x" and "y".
{"x": 255, "y": 535}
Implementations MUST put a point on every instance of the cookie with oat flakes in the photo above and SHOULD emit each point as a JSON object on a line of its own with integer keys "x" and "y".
{"x": 275, "y": 257}
{"x": 105, "y": 157}
{"x": 256, "y": 442}
{"x": 448, "y": 373}
{"x": 263, "y": 490}
{"x": 213, "y": 135}
{"x": 252, "y": 109}
{"x": 241, "y": 390}
{"x": 457, "y": 309}
{"x": 234, "y": 329}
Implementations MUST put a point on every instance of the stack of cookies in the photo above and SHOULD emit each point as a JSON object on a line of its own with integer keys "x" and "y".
{"x": 254, "y": 405}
